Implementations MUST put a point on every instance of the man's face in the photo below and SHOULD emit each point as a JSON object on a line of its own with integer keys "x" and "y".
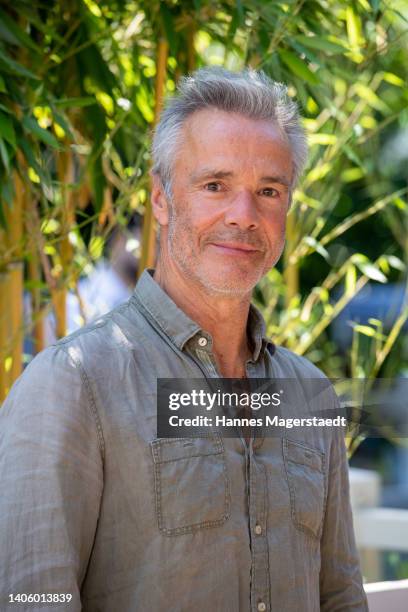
{"x": 226, "y": 220}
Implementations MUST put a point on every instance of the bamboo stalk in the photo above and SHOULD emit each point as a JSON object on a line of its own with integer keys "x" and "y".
{"x": 162, "y": 54}
{"x": 14, "y": 220}
{"x": 16, "y": 319}
{"x": 34, "y": 273}
{"x": 291, "y": 271}
{"x": 4, "y": 332}
{"x": 147, "y": 258}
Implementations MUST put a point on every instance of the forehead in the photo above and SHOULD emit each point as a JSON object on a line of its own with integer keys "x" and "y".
{"x": 216, "y": 136}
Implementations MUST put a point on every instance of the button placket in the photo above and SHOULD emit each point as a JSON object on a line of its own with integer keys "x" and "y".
{"x": 260, "y": 584}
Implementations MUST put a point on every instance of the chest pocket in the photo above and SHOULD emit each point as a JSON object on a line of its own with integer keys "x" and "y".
{"x": 306, "y": 475}
{"x": 191, "y": 483}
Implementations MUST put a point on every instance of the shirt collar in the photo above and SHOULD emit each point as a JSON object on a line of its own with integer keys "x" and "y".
{"x": 178, "y": 326}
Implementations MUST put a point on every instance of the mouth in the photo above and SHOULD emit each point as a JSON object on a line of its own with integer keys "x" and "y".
{"x": 235, "y": 248}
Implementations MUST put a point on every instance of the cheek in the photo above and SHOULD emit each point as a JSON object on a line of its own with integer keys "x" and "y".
{"x": 275, "y": 228}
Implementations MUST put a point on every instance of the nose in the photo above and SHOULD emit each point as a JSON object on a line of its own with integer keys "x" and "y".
{"x": 242, "y": 212}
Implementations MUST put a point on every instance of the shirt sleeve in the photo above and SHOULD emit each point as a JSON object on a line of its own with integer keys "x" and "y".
{"x": 341, "y": 588}
{"x": 51, "y": 479}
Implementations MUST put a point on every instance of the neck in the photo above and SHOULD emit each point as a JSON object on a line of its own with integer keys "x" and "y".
{"x": 225, "y": 318}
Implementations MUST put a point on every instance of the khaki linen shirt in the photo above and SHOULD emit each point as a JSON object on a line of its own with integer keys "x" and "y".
{"x": 94, "y": 505}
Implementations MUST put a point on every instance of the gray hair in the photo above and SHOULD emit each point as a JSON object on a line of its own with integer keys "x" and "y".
{"x": 251, "y": 93}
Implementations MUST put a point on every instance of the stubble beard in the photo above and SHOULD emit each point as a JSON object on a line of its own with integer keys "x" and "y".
{"x": 186, "y": 260}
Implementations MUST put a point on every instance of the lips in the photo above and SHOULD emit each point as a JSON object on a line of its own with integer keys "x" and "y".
{"x": 235, "y": 247}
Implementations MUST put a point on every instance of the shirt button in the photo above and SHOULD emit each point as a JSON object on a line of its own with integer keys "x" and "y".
{"x": 261, "y": 606}
{"x": 258, "y": 529}
{"x": 202, "y": 341}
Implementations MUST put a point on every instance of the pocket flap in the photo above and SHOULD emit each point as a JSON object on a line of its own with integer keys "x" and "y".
{"x": 172, "y": 449}
{"x": 305, "y": 455}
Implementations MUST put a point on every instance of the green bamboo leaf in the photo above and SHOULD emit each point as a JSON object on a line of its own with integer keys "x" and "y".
{"x": 5, "y": 109}
{"x": 352, "y": 155}
{"x": 370, "y": 97}
{"x": 396, "y": 262}
{"x": 43, "y": 135}
{"x": 298, "y": 67}
{"x": 96, "y": 247}
{"x": 352, "y": 174}
{"x": 306, "y": 54}
{"x": 234, "y": 24}
{"x": 312, "y": 242}
{"x": 74, "y": 102}
{"x": 7, "y": 192}
{"x": 7, "y": 129}
{"x": 17, "y": 35}
{"x": 320, "y": 43}
{"x": 399, "y": 203}
{"x": 365, "y": 330}
{"x": 30, "y": 12}
{"x": 3, "y": 222}
{"x": 97, "y": 181}
{"x": 370, "y": 270}
{"x": 93, "y": 65}
{"x": 13, "y": 67}
{"x": 319, "y": 172}
{"x": 50, "y": 226}
{"x": 3, "y": 88}
{"x": 31, "y": 160}
{"x": 4, "y": 155}
{"x": 61, "y": 121}
{"x": 393, "y": 79}
{"x": 322, "y": 139}
{"x": 375, "y": 322}
{"x": 354, "y": 27}
{"x": 7, "y": 36}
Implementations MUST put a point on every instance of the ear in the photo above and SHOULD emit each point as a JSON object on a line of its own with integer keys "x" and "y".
{"x": 158, "y": 198}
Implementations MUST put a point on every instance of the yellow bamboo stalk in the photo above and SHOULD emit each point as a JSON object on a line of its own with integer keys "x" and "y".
{"x": 162, "y": 54}
{"x": 4, "y": 333}
{"x": 291, "y": 270}
{"x": 14, "y": 219}
{"x": 16, "y": 319}
{"x": 147, "y": 258}
{"x": 34, "y": 273}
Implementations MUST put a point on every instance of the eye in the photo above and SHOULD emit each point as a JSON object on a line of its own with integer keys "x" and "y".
{"x": 270, "y": 192}
{"x": 213, "y": 186}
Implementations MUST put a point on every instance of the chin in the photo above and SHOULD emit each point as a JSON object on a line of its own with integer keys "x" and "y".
{"x": 229, "y": 284}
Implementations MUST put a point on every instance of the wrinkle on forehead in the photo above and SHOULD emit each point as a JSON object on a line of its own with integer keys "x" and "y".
{"x": 231, "y": 141}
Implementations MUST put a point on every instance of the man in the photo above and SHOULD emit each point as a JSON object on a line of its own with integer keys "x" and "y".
{"x": 93, "y": 504}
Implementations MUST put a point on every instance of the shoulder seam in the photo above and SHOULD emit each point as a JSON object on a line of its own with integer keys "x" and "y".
{"x": 91, "y": 399}
{"x": 98, "y": 323}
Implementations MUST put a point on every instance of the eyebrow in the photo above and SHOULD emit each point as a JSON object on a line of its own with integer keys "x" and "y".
{"x": 209, "y": 173}
{"x": 276, "y": 179}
